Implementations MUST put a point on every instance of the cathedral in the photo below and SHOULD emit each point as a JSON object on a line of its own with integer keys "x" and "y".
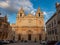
{"x": 29, "y": 27}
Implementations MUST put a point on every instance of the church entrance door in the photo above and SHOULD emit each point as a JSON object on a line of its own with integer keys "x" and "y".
{"x": 19, "y": 37}
{"x": 29, "y": 36}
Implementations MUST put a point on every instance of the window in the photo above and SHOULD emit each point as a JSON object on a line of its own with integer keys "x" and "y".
{"x": 55, "y": 31}
{"x": 49, "y": 32}
{"x": 0, "y": 34}
{"x": 54, "y": 22}
{"x": 49, "y": 25}
{"x": 58, "y": 22}
{"x": 59, "y": 11}
{"x": 39, "y": 14}
{"x": 20, "y": 14}
{"x": 56, "y": 38}
{"x": 52, "y": 31}
{"x": 0, "y": 24}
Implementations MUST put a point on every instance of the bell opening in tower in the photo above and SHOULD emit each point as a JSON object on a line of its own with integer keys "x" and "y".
{"x": 39, "y": 14}
{"x": 20, "y": 14}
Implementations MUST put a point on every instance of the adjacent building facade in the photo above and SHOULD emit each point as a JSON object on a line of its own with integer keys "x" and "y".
{"x": 29, "y": 27}
{"x": 53, "y": 26}
{"x": 5, "y": 28}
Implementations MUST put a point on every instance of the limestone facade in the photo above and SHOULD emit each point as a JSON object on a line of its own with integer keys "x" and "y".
{"x": 29, "y": 27}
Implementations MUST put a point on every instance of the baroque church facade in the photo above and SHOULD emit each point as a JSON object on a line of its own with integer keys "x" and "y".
{"x": 29, "y": 27}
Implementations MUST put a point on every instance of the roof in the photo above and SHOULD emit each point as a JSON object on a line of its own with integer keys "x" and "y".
{"x": 2, "y": 18}
{"x": 50, "y": 18}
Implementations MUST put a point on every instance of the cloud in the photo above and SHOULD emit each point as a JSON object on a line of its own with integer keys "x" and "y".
{"x": 47, "y": 15}
{"x": 4, "y": 4}
{"x": 12, "y": 6}
{"x": 33, "y": 12}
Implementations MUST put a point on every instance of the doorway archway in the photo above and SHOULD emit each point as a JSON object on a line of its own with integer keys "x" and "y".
{"x": 29, "y": 36}
{"x": 19, "y": 37}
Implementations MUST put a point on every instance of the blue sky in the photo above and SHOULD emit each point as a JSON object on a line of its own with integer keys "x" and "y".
{"x": 11, "y": 7}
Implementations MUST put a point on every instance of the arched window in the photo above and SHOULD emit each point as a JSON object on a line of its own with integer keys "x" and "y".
{"x": 20, "y": 14}
{"x": 39, "y": 14}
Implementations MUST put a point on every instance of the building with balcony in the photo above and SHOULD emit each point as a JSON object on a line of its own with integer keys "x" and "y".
{"x": 53, "y": 26}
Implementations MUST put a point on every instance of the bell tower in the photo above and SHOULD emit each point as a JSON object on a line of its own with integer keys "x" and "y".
{"x": 20, "y": 14}
{"x": 58, "y": 7}
{"x": 39, "y": 13}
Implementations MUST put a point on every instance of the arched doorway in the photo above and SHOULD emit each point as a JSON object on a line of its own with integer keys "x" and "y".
{"x": 29, "y": 36}
{"x": 19, "y": 37}
{"x": 40, "y": 38}
{"x": 29, "y": 32}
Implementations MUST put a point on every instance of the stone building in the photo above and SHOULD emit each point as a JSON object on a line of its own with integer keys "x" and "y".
{"x": 29, "y": 27}
{"x": 53, "y": 26}
{"x": 5, "y": 28}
